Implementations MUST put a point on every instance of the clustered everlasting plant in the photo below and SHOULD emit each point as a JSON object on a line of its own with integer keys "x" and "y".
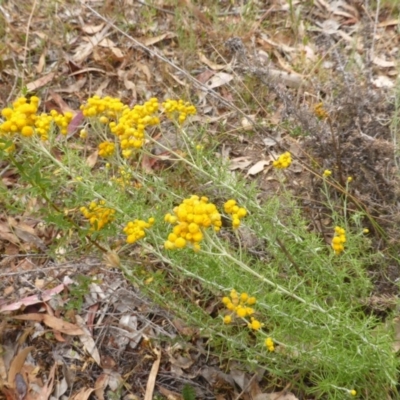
{"x": 98, "y": 215}
{"x": 339, "y": 239}
{"x": 190, "y": 217}
{"x": 240, "y": 304}
{"x": 283, "y": 161}
{"x": 235, "y": 211}
{"x": 22, "y": 119}
{"x": 135, "y": 229}
{"x": 293, "y": 275}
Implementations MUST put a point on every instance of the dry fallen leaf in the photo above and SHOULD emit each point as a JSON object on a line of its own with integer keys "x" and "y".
{"x": 258, "y": 167}
{"x": 276, "y": 396}
{"x": 153, "y": 40}
{"x": 28, "y": 301}
{"x": 248, "y": 122}
{"x": 87, "y": 340}
{"x": 209, "y": 63}
{"x": 40, "y": 82}
{"x": 101, "y": 385}
{"x": 92, "y": 29}
{"x": 239, "y": 163}
{"x": 52, "y": 322}
{"x": 383, "y": 81}
{"x": 47, "y": 389}
{"x": 381, "y": 62}
{"x": 152, "y": 377}
{"x": 17, "y": 364}
{"x": 219, "y": 79}
{"x": 92, "y": 159}
{"x": 83, "y": 394}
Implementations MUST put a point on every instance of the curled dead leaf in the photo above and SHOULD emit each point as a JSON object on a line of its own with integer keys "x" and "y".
{"x": 52, "y": 322}
{"x": 258, "y": 167}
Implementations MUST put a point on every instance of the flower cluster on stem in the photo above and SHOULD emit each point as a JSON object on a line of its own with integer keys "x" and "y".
{"x": 283, "y": 161}
{"x": 98, "y": 215}
{"x": 179, "y": 108}
{"x": 22, "y": 119}
{"x": 237, "y": 213}
{"x": 134, "y": 230}
{"x": 338, "y": 240}
{"x": 190, "y": 218}
{"x": 240, "y": 306}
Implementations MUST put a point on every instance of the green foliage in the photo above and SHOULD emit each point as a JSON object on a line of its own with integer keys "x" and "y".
{"x": 188, "y": 393}
{"x": 78, "y": 291}
{"x": 310, "y": 301}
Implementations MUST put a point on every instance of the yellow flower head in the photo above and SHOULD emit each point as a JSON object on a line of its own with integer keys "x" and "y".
{"x": 237, "y": 213}
{"x": 338, "y": 240}
{"x": 191, "y": 218}
{"x": 135, "y": 230}
{"x": 98, "y": 215}
{"x": 283, "y": 161}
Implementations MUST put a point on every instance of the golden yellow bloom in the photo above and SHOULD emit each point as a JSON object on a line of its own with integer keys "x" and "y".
{"x": 192, "y": 217}
{"x": 327, "y": 173}
{"x": 255, "y": 324}
{"x": 239, "y": 304}
{"x": 338, "y": 240}
{"x": 283, "y": 161}
{"x": 106, "y": 149}
{"x": 269, "y": 343}
{"x": 178, "y": 108}
{"x": 237, "y": 213}
{"x": 98, "y": 215}
{"x": 135, "y": 229}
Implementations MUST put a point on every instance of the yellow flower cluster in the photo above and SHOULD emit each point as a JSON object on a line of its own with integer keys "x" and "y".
{"x": 237, "y": 212}
{"x": 327, "y": 173}
{"x": 283, "y": 161}
{"x": 98, "y": 215}
{"x": 44, "y": 121}
{"x": 43, "y": 124}
{"x": 106, "y": 149}
{"x": 320, "y": 111}
{"x": 338, "y": 240}
{"x": 108, "y": 107}
{"x": 269, "y": 343}
{"x": 240, "y": 304}
{"x": 182, "y": 109}
{"x": 62, "y": 120}
{"x": 190, "y": 217}
{"x": 131, "y": 126}
{"x": 21, "y": 117}
{"x": 134, "y": 230}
